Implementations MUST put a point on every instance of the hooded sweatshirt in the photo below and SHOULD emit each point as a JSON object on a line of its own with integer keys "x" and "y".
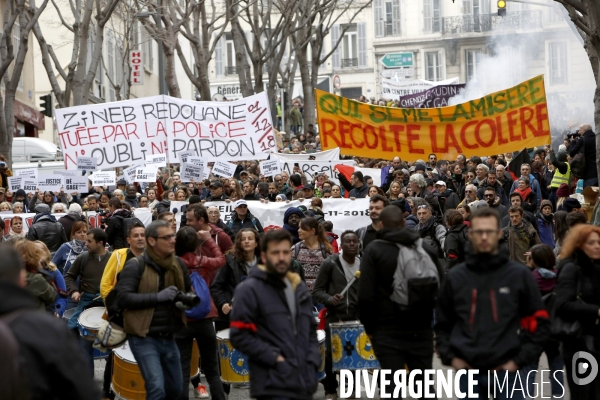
{"x": 490, "y": 311}
{"x": 293, "y": 231}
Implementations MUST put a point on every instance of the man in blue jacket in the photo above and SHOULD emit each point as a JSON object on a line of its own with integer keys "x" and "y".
{"x": 272, "y": 323}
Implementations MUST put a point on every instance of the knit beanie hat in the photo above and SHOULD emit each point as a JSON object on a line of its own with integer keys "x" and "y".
{"x": 570, "y": 203}
{"x": 545, "y": 203}
{"x": 563, "y": 191}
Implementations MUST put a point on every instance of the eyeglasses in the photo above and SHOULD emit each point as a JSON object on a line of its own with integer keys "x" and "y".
{"x": 422, "y": 207}
{"x": 166, "y": 237}
{"x": 213, "y": 213}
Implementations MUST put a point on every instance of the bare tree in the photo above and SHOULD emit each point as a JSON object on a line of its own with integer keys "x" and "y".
{"x": 87, "y": 23}
{"x": 315, "y": 21}
{"x": 27, "y": 15}
{"x": 203, "y": 30}
{"x": 585, "y": 14}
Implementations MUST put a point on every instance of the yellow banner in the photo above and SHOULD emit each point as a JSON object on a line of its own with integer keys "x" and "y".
{"x": 501, "y": 122}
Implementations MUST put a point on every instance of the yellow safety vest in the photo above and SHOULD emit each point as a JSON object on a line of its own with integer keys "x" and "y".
{"x": 559, "y": 178}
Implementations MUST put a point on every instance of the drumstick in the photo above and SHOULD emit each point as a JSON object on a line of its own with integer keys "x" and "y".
{"x": 356, "y": 276}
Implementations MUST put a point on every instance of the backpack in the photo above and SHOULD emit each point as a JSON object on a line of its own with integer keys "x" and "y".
{"x": 297, "y": 250}
{"x": 201, "y": 289}
{"x": 12, "y": 379}
{"x": 128, "y": 222}
{"x": 416, "y": 279}
{"x": 253, "y": 219}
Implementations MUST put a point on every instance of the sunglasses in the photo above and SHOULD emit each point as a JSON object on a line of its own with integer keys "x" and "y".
{"x": 422, "y": 207}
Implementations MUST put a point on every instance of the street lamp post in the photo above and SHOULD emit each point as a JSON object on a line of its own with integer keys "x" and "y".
{"x": 162, "y": 84}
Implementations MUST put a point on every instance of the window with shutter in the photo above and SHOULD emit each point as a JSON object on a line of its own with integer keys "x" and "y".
{"x": 431, "y": 16}
{"x": 396, "y": 18}
{"x": 335, "y": 57}
{"x": 362, "y": 44}
{"x": 379, "y": 18}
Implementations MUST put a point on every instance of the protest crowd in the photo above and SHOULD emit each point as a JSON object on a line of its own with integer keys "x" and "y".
{"x": 496, "y": 251}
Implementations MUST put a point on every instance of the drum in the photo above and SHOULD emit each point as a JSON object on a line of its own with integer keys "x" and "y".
{"x": 68, "y": 314}
{"x": 351, "y": 347}
{"x": 89, "y": 322}
{"x": 321, "y": 370}
{"x": 127, "y": 381}
{"x": 234, "y": 365}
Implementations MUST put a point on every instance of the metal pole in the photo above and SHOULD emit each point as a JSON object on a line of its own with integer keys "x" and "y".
{"x": 162, "y": 84}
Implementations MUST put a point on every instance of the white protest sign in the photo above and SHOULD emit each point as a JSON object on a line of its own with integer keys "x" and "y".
{"x": 125, "y": 132}
{"x": 29, "y": 185}
{"x": 77, "y": 184}
{"x": 50, "y": 183}
{"x": 224, "y": 169}
{"x": 183, "y": 156}
{"x": 104, "y": 178}
{"x": 15, "y": 183}
{"x": 270, "y": 168}
{"x": 311, "y": 168}
{"x": 393, "y": 89}
{"x": 333, "y": 154}
{"x": 129, "y": 173}
{"x": 145, "y": 174}
{"x": 67, "y": 173}
{"x": 191, "y": 171}
{"x": 157, "y": 160}
{"x": 374, "y": 173}
{"x": 31, "y": 173}
{"x": 87, "y": 163}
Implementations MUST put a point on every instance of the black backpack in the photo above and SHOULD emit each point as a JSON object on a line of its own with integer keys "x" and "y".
{"x": 126, "y": 223}
{"x": 12, "y": 378}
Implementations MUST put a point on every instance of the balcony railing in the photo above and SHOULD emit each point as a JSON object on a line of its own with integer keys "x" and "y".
{"x": 230, "y": 70}
{"x": 349, "y": 62}
{"x": 515, "y": 20}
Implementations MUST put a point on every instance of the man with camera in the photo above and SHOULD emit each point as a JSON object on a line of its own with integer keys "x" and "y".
{"x": 150, "y": 291}
{"x": 586, "y": 144}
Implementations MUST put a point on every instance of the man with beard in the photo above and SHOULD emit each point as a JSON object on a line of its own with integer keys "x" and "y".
{"x": 491, "y": 197}
{"x": 520, "y": 235}
{"x": 516, "y": 201}
{"x": 490, "y": 315}
{"x": 492, "y": 181}
{"x": 504, "y": 179}
{"x": 470, "y": 194}
{"x": 447, "y": 197}
{"x": 281, "y": 344}
{"x": 368, "y": 233}
{"x": 431, "y": 232}
{"x": 291, "y": 222}
{"x": 214, "y": 217}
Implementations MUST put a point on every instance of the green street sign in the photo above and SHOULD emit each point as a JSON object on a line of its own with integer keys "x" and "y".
{"x": 397, "y": 60}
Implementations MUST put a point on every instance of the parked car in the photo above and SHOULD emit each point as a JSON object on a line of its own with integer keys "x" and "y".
{"x": 30, "y": 149}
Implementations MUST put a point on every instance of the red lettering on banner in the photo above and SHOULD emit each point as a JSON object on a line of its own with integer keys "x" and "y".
{"x": 329, "y": 126}
{"x": 410, "y": 136}
{"x": 396, "y": 130}
{"x": 369, "y": 131}
{"x": 526, "y": 121}
{"x": 463, "y": 135}
{"x": 451, "y": 139}
{"x": 233, "y": 128}
{"x": 344, "y": 129}
{"x": 357, "y": 145}
{"x": 501, "y": 140}
{"x": 541, "y": 113}
{"x": 383, "y": 138}
{"x": 512, "y": 122}
{"x": 492, "y": 125}
{"x": 433, "y": 137}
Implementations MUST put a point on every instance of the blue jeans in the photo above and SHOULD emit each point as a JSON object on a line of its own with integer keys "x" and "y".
{"x": 590, "y": 182}
{"x": 158, "y": 360}
{"x": 502, "y": 389}
{"x": 85, "y": 301}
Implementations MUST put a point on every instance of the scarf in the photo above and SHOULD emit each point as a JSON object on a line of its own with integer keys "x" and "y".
{"x": 523, "y": 193}
{"x": 174, "y": 274}
{"x": 13, "y": 233}
{"x": 77, "y": 245}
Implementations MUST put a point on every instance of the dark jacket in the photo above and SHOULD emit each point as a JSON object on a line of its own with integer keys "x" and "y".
{"x": 361, "y": 192}
{"x": 166, "y": 318}
{"x": 589, "y": 138}
{"x": 455, "y": 245}
{"x": 229, "y": 276}
{"x": 46, "y": 229}
{"x": 330, "y": 281}
{"x": 222, "y": 197}
{"x": 132, "y": 201}
{"x": 529, "y": 217}
{"x": 262, "y": 329}
{"x": 236, "y": 224}
{"x": 226, "y": 229}
{"x": 377, "y": 267}
{"x": 115, "y": 231}
{"x": 163, "y": 206}
{"x": 449, "y": 199}
{"x": 251, "y": 197}
{"x": 498, "y": 188}
{"x": 567, "y": 306}
{"x": 506, "y": 184}
{"x": 50, "y": 356}
{"x": 482, "y": 306}
{"x": 432, "y": 200}
{"x": 68, "y": 220}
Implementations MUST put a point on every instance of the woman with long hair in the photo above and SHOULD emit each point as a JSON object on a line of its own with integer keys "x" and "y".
{"x": 373, "y": 190}
{"x": 67, "y": 253}
{"x": 543, "y": 264}
{"x": 394, "y": 191}
{"x": 152, "y": 198}
{"x": 239, "y": 260}
{"x": 312, "y": 249}
{"x": 560, "y": 230}
{"x": 186, "y": 244}
{"x": 55, "y": 279}
{"x": 237, "y": 192}
{"x": 32, "y": 256}
{"x": 578, "y": 299}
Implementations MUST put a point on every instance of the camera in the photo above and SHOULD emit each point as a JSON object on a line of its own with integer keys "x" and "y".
{"x": 187, "y": 299}
{"x": 2, "y": 164}
{"x": 573, "y": 135}
{"x": 104, "y": 216}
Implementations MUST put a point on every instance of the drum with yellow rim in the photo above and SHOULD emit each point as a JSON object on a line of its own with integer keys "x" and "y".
{"x": 234, "y": 364}
{"x": 127, "y": 381}
{"x": 351, "y": 347}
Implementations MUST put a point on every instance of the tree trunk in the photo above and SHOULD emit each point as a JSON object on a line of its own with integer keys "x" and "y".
{"x": 170, "y": 75}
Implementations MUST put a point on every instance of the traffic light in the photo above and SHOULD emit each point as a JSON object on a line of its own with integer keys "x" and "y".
{"x": 501, "y": 8}
{"x": 46, "y": 105}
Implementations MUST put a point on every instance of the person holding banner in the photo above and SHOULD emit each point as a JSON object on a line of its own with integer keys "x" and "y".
{"x": 21, "y": 197}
